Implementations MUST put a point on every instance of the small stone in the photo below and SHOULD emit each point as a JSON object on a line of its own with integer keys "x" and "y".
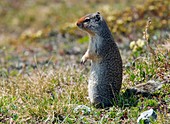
{"x": 85, "y": 110}
{"x": 146, "y": 116}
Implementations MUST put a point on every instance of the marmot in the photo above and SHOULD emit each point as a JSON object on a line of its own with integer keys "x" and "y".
{"x": 106, "y": 64}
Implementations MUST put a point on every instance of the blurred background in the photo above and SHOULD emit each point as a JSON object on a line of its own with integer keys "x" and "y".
{"x": 23, "y": 16}
{"x": 41, "y": 28}
{"x": 41, "y": 77}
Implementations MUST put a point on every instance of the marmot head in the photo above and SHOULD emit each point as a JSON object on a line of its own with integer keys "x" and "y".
{"x": 92, "y": 23}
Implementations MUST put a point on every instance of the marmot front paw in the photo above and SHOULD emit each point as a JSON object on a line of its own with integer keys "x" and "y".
{"x": 83, "y": 60}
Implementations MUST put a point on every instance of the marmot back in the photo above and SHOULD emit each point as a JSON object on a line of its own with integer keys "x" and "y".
{"x": 106, "y": 69}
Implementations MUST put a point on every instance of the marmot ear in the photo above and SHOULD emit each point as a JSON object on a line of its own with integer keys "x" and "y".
{"x": 97, "y": 17}
{"x": 98, "y": 13}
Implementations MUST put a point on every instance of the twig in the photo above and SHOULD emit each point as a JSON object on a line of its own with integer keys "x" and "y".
{"x": 146, "y": 36}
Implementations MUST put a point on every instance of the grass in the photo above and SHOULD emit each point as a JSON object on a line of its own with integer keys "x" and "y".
{"x": 42, "y": 80}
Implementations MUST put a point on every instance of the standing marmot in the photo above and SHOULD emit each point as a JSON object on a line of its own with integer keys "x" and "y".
{"x": 106, "y": 68}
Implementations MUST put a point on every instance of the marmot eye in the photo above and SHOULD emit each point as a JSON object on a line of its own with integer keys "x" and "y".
{"x": 86, "y": 20}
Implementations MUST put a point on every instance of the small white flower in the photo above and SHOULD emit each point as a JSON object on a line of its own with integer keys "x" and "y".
{"x": 135, "y": 48}
{"x": 110, "y": 18}
{"x": 39, "y": 33}
{"x": 132, "y": 44}
{"x": 119, "y": 21}
{"x": 140, "y": 43}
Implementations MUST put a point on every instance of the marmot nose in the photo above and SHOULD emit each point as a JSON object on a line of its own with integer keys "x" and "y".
{"x": 79, "y": 24}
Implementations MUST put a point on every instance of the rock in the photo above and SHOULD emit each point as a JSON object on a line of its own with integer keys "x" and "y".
{"x": 145, "y": 89}
{"x": 146, "y": 116}
{"x": 85, "y": 110}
